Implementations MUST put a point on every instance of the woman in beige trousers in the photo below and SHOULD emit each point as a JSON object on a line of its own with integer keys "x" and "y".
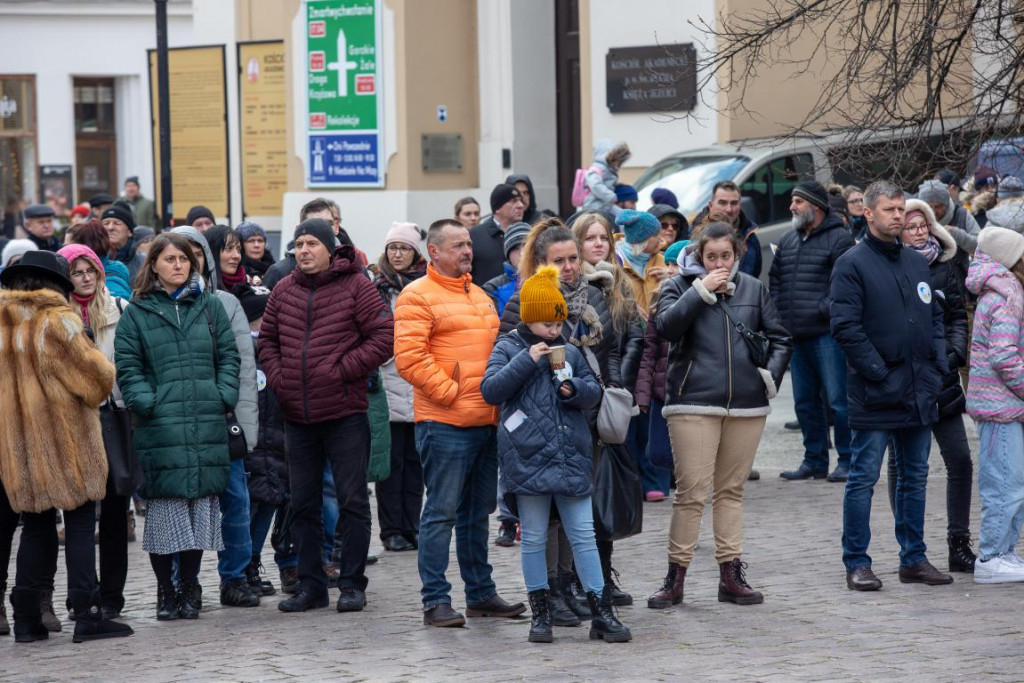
{"x": 716, "y": 402}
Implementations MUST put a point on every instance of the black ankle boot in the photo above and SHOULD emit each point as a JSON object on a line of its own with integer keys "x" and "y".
{"x": 91, "y": 624}
{"x": 605, "y": 625}
{"x": 166, "y": 602}
{"x": 961, "y": 557}
{"x": 560, "y": 613}
{"x": 28, "y": 619}
{"x": 540, "y": 622}
{"x": 254, "y": 578}
{"x": 565, "y": 581}
{"x": 619, "y": 597}
{"x": 190, "y": 599}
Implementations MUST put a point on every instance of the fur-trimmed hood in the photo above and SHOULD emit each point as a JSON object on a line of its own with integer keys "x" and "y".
{"x": 937, "y": 231}
{"x": 54, "y": 379}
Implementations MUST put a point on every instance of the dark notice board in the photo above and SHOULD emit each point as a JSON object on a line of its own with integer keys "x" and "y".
{"x": 656, "y": 78}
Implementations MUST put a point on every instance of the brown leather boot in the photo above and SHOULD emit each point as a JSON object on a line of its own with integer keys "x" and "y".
{"x": 671, "y": 592}
{"x": 733, "y": 586}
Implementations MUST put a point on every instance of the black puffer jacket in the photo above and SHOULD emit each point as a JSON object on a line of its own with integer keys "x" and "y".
{"x": 266, "y": 464}
{"x": 800, "y": 273}
{"x": 710, "y": 369}
{"x": 607, "y": 350}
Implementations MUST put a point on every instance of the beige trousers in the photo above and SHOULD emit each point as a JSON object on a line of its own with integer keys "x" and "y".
{"x": 710, "y": 451}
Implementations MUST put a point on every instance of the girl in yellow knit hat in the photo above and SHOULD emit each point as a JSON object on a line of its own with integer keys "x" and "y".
{"x": 544, "y": 388}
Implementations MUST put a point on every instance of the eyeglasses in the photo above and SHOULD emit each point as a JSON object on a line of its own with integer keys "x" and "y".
{"x": 916, "y": 227}
{"x": 84, "y": 274}
{"x": 400, "y": 249}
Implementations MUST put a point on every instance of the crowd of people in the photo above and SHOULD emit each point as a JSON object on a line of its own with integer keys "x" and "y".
{"x": 481, "y": 365}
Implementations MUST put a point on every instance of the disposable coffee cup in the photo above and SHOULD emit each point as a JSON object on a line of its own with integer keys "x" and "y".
{"x": 557, "y": 357}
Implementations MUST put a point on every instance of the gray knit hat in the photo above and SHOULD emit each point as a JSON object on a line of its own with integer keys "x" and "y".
{"x": 1002, "y": 244}
{"x": 515, "y": 236}
{"x": 933, "y": 192}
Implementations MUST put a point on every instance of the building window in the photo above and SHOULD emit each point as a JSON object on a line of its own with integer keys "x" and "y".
{"x": 17, "y": 147}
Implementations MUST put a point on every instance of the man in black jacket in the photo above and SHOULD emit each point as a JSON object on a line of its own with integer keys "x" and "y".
{"x": 799, "y": 282}
{"x": 507, "y": 207}
{"x": 890, "y": 326}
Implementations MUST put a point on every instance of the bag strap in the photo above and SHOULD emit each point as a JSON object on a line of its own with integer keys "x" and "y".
{"x": 213, "y": 336}
{"x": 595, "y": 366}
{"x": 739, "y": 325}
{"x": 120, "y": 304}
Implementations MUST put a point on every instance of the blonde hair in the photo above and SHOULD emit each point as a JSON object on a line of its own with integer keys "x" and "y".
{"x": 100, "y": 300}
{"x": 621, "y": 301}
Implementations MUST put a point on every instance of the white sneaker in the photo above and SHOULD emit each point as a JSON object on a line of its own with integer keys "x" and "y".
{"x": 1001, "y": 569}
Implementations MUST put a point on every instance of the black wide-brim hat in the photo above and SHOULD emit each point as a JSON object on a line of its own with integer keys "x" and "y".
{"x": 44, "y": 264}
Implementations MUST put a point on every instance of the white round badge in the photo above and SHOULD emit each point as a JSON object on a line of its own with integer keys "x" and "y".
{"x": 924, "y": 292}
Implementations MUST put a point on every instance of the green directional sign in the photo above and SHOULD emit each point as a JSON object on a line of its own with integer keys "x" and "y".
{"x": 343, "y": 88}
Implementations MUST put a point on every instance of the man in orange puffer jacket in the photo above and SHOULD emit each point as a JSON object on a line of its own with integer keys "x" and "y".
{"x": 445, "y": 327}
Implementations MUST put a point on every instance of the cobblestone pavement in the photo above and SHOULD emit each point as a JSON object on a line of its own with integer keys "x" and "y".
{"x": 809, "y": 628}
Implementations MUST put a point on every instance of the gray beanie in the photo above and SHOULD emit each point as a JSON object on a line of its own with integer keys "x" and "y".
{"x": 1009, "y": 187}
{"x": 1002, "y": 244}
{"x": 933, "y": 192}
{"x": 515, "y": 236}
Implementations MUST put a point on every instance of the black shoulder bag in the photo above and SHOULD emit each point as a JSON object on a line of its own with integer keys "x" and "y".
{"x": 757, "y": 342}
{"x": 236, "y": 437}
{"x": 125, "y": 474}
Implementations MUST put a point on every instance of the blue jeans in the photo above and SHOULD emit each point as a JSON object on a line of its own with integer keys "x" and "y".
{"x": 911, "y": 446}
{"x": 460, "y": 472}
{"x": 261, "y": 517}
{"x": 1000, "y": 486}
{"x": 234, "y": 527}
{"x": 819, "y": 367}
{"x": 330, "y": 512}
{"x": 577, "y": 515}
{"x": 659, "y": 449}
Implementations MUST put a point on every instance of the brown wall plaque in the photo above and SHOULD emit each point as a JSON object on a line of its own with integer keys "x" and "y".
{"x": 651, "y": 79}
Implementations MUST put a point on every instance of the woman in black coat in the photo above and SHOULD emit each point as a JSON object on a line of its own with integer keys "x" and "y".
{"x": 922, "y": 233}
{"x": 716, "y": 402}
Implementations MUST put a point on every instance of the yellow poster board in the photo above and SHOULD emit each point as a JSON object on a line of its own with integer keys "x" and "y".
{"x": 261, "y": 110}
{"x": 199, "y": 129}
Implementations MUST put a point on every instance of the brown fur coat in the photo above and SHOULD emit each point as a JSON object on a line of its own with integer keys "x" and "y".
{"x": 52, "y": 379}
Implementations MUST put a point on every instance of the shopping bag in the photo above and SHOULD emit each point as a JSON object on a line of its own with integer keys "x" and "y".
{"x": 618, "y": 494}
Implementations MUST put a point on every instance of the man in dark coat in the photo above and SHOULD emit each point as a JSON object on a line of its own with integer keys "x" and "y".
{"x": 39, "y": 227}
{"x": 522, "y": 182}
{"x": 324, "y": 331}
{"x": 890, "y": 326}
{"x": 725, "y": 198}
{"x": 507, "y": 207}
{"x": 799, "y": 282}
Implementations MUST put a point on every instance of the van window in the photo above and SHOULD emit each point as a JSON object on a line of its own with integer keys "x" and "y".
{"x": 690, "y": 178}
{"x": 771, "y": 186}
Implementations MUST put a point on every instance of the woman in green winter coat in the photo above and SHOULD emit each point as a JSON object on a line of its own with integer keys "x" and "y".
{"x": 178, "y": 369}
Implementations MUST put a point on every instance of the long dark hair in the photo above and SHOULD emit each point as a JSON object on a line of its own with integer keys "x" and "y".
{"x": 147, "y": 280}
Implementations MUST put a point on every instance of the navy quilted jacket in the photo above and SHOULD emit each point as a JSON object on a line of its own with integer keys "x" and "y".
{"x": 551, "y": 452}
{"x": 321, "y": 337}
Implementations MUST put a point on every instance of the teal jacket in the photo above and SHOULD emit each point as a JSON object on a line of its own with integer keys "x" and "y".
{"x": 164, "y": 354}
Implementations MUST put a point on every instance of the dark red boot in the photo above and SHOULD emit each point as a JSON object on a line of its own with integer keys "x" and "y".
{"x": 733, "y": 587}
{"x": 671, "y": 592}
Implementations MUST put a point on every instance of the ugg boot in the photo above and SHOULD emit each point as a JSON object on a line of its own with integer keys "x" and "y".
{"x": 961, "y": 557}
{"x": 605, "y": 625}
{"x": 5, "y": 627}
{"x": 50, "y": 620}
{"x": 733, "y": 586}
{"x": 540, "y": 621}
{"x": 28, "y": 623}
{"x": 565, "y": 581}
{"x": 671, "y": 591}
{"x": 91, "y": 624}
{"x": 561, "y": 615}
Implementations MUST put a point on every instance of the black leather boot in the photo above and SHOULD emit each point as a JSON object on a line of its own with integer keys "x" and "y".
{"x": 565, "y": 581}
{"x": 91, "y": 624}
{"x": 605, "y": 625}
{"x": 961, "y": 557}
{"x": 540, "y": 621}
{"x": 28, "y": 621}
{"x": 560, "y": 613}
{"x": 166, "y": 602}
{"x": 190, "y": 599}
{"x": 255, "y": 579}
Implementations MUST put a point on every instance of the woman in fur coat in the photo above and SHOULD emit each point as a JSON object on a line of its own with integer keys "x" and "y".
{"x": 51, "y": 446}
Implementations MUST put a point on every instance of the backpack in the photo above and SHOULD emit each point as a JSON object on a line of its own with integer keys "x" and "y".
{"x": 580, "y": 189}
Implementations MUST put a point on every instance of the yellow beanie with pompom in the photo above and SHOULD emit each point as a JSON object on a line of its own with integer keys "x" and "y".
{"x": 540, "y": 300}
